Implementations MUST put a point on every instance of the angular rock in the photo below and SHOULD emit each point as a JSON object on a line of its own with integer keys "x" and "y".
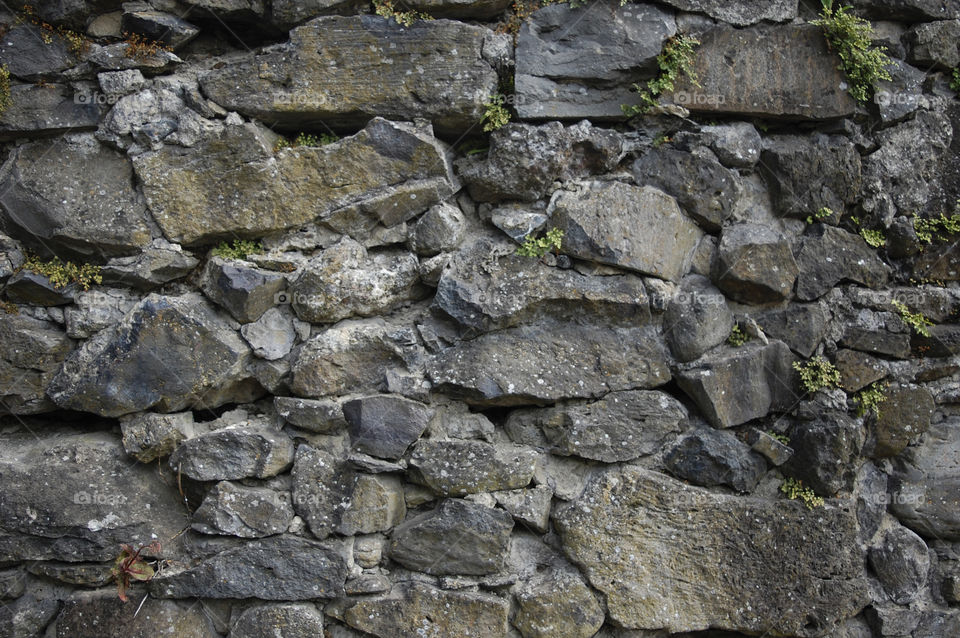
{"x": 901, "y": 562}
{"x": 284, "y": 620}
{"x": 904, "y": 416}
{"x": 104, "y": 615}
{"x": 168, "y": 352}
{"x": 286, "y": 14}
{"x": 28, "y": 615}
{"x": 740, "y": 13}
{"x": 47, "y": 110}
{"x": 440, "y": 229}
{"x": 557, "y": 603}
{"x": 30, "y": 53}
{"x": 11, "y": 257}
{"x": 827, "y": 255}
{"x": 542, "y": 363}
{"x": 344, "y": 281}
{"x": 322, "y": 416}
{"x": 630, "y": 516}
{"x": 385, "y": 426}
{"x": 711, "y": 457}
{"x": 655, "y": 237}
{"x": 148, "y": 436}
{"x": 737, "y": 144}
{"x": 911, "y": 10}
{"x": 457, "y": 468}
{"x": 271, "y": 336}
{"x": 159, "y": 263}
{"x": 902, "y": 95}
{"x": 31, "y": 351}
{"x": 239, "y": 11}
{"x": 412, "y": 609}
{"x": 158, "y": 26}
{"x": 529, "y": 507}
{"x": 800, "y": 326}
{"x": 322, "y": 484}
{"x": 935, "y": 43}
{"x": 774, "y": 450}
{"x": 234, "y": 452}
{"x": 458, "y": 537}
{"x": 824, "y": 451}
{"x": 97, "y": 309}
{"x": 376, "y": 505}
{"x": 696, "y": 318}
{"x": 358, "y": 177}
{"x": 275, "y": 568}
{"x": 857, "y": 369}
{"x": 926, "y": 483}
{"x": 300, "y": 83}
{"x": 120, "y": 57}
{"x": 242, "y": 290}
{"x": 247, "y": 512}
{"x": 754, "y": 264}
{"x": 34, "y": 289}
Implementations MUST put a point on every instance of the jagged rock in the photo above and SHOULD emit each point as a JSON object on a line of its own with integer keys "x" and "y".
{"x": 47, "y": 203}
{"x": 890, "y": 620}
{"x": 463, "y": 426}
{"x": 234, "y": 452}
{"x": 286, "y": 14}
{"x": 619, "y": 427}
{"x": 823, "y": 452}
{"x": 706, "y": 190}
{"x": 904, "y": 416}
{"x": 519, "y": 220}
{"x": 696, "y": 318}
{"x": 740, "y": 12}
{"x": 159, "y": 263}
{"x": 857, "y": 369}
{"x": 926, "y": 483}
{"x": 11, "y": 257}
{"x": 576, "y": 62}
{"x": 456, "y": 468}
{"x": 45, "y": 110}
{"x": 12, "y": 583}
{"x": 376, "y": 505}
{"x": 910, "y": 10}
{"x": 148, "y": 436}
{"x": 734, "y": 385}
{"x": 30, "y": 53}
{"x": 530, "y": 507}
{"x": 241, "y": 11}
{"x": 271, "y": 336}
{"x": 754, "y": 264}
{"x": 385, "y": 426}
{"x": 715, "y": 457}
{"x": 737, "y": 144}
{"x": 412, "y": 609}
{"x": 901, "y": 95}
{"x": 487, "y": 285}
{"x": 870, "y": 332}
{"x": 291, "y": 620}
{"x": 96, "y": 309}
{"x": 322, "y": 416}
{"x": 774, "y": 450}
{"x": 157, "y": 26}
{"x": 358, "y": 178}
{"x": 766, "y": 71}
{"x": 557, "y": 603}
{"x": 322, "y": 484}
{"x": 31, "y": 351}
{"x": 241, "y": 289}
{"x": 276, "y": 568}
{"x": 524, "y": 160}
{"x": 100, "y": 614}
{"x": 458, "y": 537}
{"x": 344, "y": 281}
{"x": 83, "y": 574}
{"x": 827, "y": 255}
{"x": 247, "y": 512}
{"x": 168, "y": 352}
{"x": 646, "y": 515}
{"x": 440, "y": 229}
{"x": 120, "y": 57}
{"x": 542, "y": 363}
{"x": 655, "y": 238}
{"x": 28, "y": 287}
{"x": 901, "y": 562}
{"x": 28, "y": 615}
{"x": 300, "y": 85}
{"x": 935, "y": 43}
{"x": 944, "y": 341}
{"x": 800, "y": 326}
{"x": 938, "y": 623}
{"x": 77, "y": 497}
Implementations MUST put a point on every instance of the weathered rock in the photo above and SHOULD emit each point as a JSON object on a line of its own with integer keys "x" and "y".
{"x": 935, "y": 43}
{"x": 323, "y": 416}
{"x": 158, "y": 26}
{"x": 34, "y": 289}
{"x": 487, "y": 286}
{"x": 11, "y": 257}
{"x": 904, "y": 416}
{"x": 440, "y": 229}
{"x": 754, "y": 264}
{"x": 645, "y": 516}
{"x": 557, "y": 603}
{"x": 385, "y": 426}
{"x": 45, "y": 110}
{"x": 31, "y": 351}
{"x": 827, "y": 255}
{"x": 415, "y": 609}
{"x": 800, "y": 326}
{"x": 247, "y": 512}
{"x": 857, "y": 369}
{"x": 824, "y": 451}
{"x": 240, "y": 11}
{"x": 902, "y": 95}
{"x": 284, "y": 620}
{"x": 96, "y": 309}
{"x": 376, "y": 505}
{"x": 322, "y": 484}
{"x": 926, "y": 487}
{"x": 524, "y": 160}
{"x": 103, "y": 615}
{"x": 148, "y": 436}
{"x": 715, "y": 457}
{"x": 344, "y": 281}
{"x": 773, "y": 449}
{"x": 901, "y": 562}
{"x": 122, "y": 56}
{"x": 168, "y": 352}
{"x": 242, "y": 290}
{"x": 456, "y": 468}
{"x": 576, "y": 62}
{"x": 912, "y": 10}
{"x": 234, "y": 452}
{"x": 47, "y": 203}
{"x": 275, "y": 568}
{"x": 300, "y": 85}
{"x": 28, "y": 615}
{"x": 77, "y": 497}
{"x": 737, "y": 144}
{"x": 358, "y": 178}
{"x": 30, "y": 53}
{"x": 458, "y": 537}
{"x": 891, "y": 620}
{"x": 696, "y": 318}
{"x": 271, "y": 336}
{"x": 467, "y": 425}
{"x": 529, "y": 507}
{"x": 740, "y": 12}
{"x": 159, "y": 263}
{"x": 542, "y": 363}
{"x": 655, "y": 238}
{"x": 286, "y": 14}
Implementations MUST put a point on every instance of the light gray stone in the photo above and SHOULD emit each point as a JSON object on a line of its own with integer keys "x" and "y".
{"x": 457, "y": 468}
{"x": 271, "y": 336}
{"x": 234, "y": 452}
{"x": 247, "y": 512}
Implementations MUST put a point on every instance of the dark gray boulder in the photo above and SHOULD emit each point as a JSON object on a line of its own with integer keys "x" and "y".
{"x": 715, "y": 457}
{"x": 385, "y": 426}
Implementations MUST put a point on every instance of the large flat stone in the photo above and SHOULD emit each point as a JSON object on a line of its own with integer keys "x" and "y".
{"x": 31, "y": 351}
{"x": 740, "y": 13}
{"x": 46, "y": 110}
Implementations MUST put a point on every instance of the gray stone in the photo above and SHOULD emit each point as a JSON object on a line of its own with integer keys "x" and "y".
{"x": 827, "y": 255}
{"x": 518, "y": 220}
{"x": 148, "y": 436}
{"x": 478, "y": 9}
{"x": 241, "y": 11}
{"x": 242, "y": 290}
{"x": 529, "y": 507}
{"x": 276, "y": 568}
{"x": 286, "y": 14}
{"x": 247, "y": 512}
{"x": 234, "y": 452}
{"x": 168, "y": 352}
{"x": 30, "y": 53}
{"x": 28, "y": 287}
{"x": 344, "y": 281}
{"x": 800, "y": 326}
{"x": 696, "y": 318}
{"x": 740, "y": 12}
{"x": 824, "y": 451}
{"x": 376, "y": 505}
{"x": 891, "y": 620}
{"x": 27, "y": 616}
{"x": 904, "y": 416}
{"x": 629, "y": 518}
{"x": 543, "y": 363}
{"x": 385, "y": 426}
{"x": 557, "y": 603}
{"x": 774, "y": 450}
{"x": 935, "y": 43}
{"x": 283, "y": 620}
{"x": 159, "y": 263}
{"x": 901, "y": 562}
{"x": 466, "y": 425}
{"x": 655, "y": 238}
{"x": 45, "y": 110}
{"x": 457, "y": 468}
{"x": 910, "y": 10}
{"x": 857, "y": 369}
{"x": 101, "y": 614}
{"x": 271, "y": 336}
{"x": 324, "y": 415}
{"x": 754, "y": 264}
{"x": 12, "y": 583}
{"x": 902, "y": 95}
{"x": 440, "y": 229}
{"x": 322, "y": 484}
{"x": 926, "y": 486}
{"x": 711, "y": 457}
{"x": 707, "y": 191}
{"x": 31, "y": 351}
{"x": 737, "y": 144}
{"x": 458, "y": 537}
{"x": 96, "y": 309}
{"x": 11, "y": 257}
{"x": 158, "y": 26}
{"x": 119, "y": 83}
{"x": 300, "y": 86}
{"x": 937, "y": 623}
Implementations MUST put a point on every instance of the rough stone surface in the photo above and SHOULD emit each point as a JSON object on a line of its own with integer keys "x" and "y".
{"x": 285, "y": 620}
{"x": 754, "y": 264}
{"x": 529, "y": 507}
{"x": 242, "y": 290}
{"x": 901, "y": 562}
{"x": 101, "y": 615}
{"x": 44, "y": 110}
{"x": 557, "y": 603}
{"x": 800, "y": 326}
{"x": 935, "y": 43}
{"x": 740, "y": 12}
{"x": 159, "y": 263}
{"x": 715, "y": 457}
{"x": 315, "y": 415}
{"x": 247, "y": 512}
{"x": 823, "y": 452}
{"x": 271, "y": 336}
{"x": 457, "y": 468}
{"x": 149, "y": 436}
{"x": 827, "y": 255}
{"x": 31, "y": 351}
{"x": 385, "y": 426}
{"x": 904, "y": 416}
{"x": 321, "y": 489}
{"x": 376, "y": 505}
{"x": 696, "y": 318}
{"x": 234, "y": 452}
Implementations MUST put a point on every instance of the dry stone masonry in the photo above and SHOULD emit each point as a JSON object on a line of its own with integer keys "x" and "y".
{"x": 272, "y": 365}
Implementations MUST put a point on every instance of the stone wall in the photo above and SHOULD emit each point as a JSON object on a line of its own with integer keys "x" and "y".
{"x": 379, "y": 420}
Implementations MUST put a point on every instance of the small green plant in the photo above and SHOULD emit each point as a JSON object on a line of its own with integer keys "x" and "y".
{"x": 796, "y": 490}
{"x": 817, "y": 373}
{"x": 821, "y": 214}
{"x": 874, "y": 238}
{"x": 5, "y": 100}
{"x": 782, "y": 438}
{"x": 870, "y": 398}
{"x": 538, "y": 247}
{"x": 239, "y": 249}
{"x": 63, "y": 273}
{"x": 496, "y": 114}
{"x": 674, "y": 62}
{"x": 661, "y": 139}
{"x": 940, "y": 227}
{"x": 129, "y": 566}
{"x": 919, "y": 323}
{"x": 955, "y": 81}
{"x": 737, "y": 336}
{"x": 850, "y": 36}
{"x": 306, "y": 139}
{"x": 385, "y": 9}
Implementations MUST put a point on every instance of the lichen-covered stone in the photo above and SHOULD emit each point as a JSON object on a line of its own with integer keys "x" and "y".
{"x": 291, "y": 620}
{"x": 100, "y": 614}
{"x": 31, "y": 351}
{"x": 754, "y": 264}
{"x": 148, "y": 436}
{"x": 385, "y": 426}
{"x": 827, "y": 255}
{"x": 234, "y": 452}
{"x": 457, "y": 468}
{"x": 241, "y": 289}
{"x": 247, "y": 512}
{"x": 904, "y": 415}
{"x": 557, "y": 603}
{"x": 321, "y": 489}
{"x": 529, "y": 507}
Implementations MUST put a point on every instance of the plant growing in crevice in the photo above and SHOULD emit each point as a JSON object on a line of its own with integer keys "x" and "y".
{"x": 306, "y": 139}
{"x": 239, "y": 249}
{"x": 495, "y": 114}
{"x": 796, "y": 490}
{"x": 870, "y": 398}
{"x": 817, "y": 373}
{"x": 737, "y": 337}
{"x": 919, "y": 323}
{"x": 873, "y": 237}
{"x": 942, "y": 228}
{"x": 77, "y": 43}
{"x": 5, "y": 100}
{"x": 851, "y": 37}
{"x": 63, "y": 273}
{"x": 130, "y": 567}
{"x": 820, "y": 215}
{"x": 782, "y": 438}
{"x": 955, "y": 81}
{"x": 538, "y": 247}
{"x": 141, "y": 48}
{"x": 674, "y": 62}
{"x": 385, "y": 9}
